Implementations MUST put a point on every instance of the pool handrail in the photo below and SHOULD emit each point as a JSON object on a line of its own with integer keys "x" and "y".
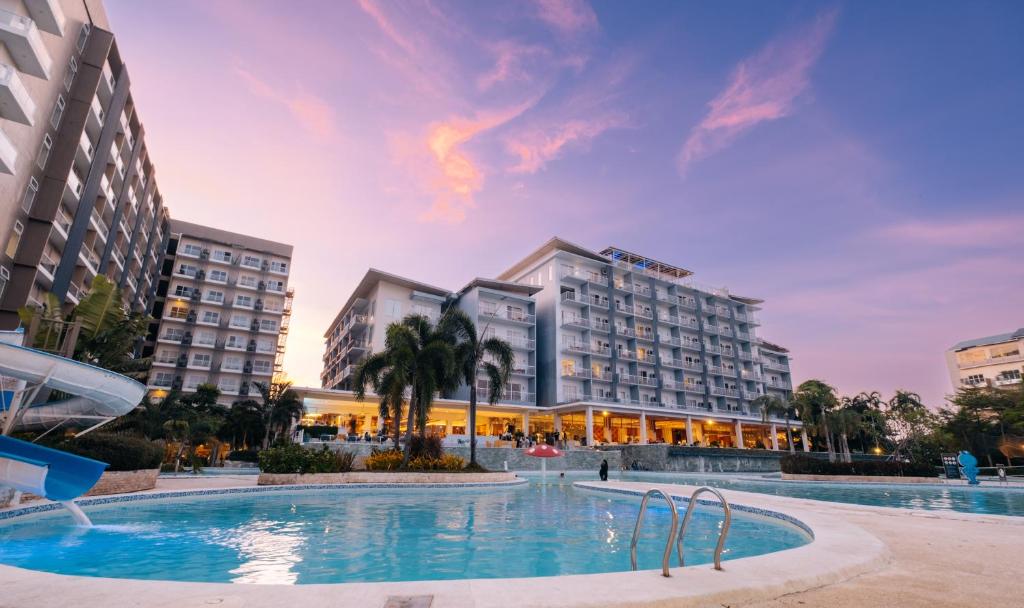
{"x": 666, "y": 557}
{"x": 721, "y": 535}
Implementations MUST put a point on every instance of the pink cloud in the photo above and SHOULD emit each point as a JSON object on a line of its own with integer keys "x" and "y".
{"x": 312, "y": 112}
{"x": 452, "y": 175}
{"x": 567, "y": 16}
{"x": 980, "y": 232}
{"x": 537, "y": 147}
{"x": 508, "y": 64}
{"x": 385, "y": 24}
{"x": 763, "y": 87}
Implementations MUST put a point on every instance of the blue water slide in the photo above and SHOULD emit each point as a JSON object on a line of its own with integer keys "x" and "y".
{"x": 50, "y": 473}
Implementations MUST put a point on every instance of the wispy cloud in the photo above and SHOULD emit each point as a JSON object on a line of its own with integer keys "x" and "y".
{"x": 537, "y": 147}
{"x": 509, "y": 63}
{"x": 312, "y": 112}
{"x": 764, "y": 87}
{"x": 567, "y": 16}
{"x": 457, "y": 176}
{"x": 996, "y": 231}
{"x": 385, "y": 24}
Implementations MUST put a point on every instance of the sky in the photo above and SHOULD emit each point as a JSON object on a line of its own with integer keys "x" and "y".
{"x": 857, "y": 165}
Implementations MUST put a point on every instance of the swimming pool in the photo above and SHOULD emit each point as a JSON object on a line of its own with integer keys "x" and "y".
{"x": 545, "y": 528}
{"x": 931, "y": 497}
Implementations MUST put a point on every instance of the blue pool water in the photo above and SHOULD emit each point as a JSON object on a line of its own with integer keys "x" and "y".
{"x": 335, "y": 536}
{"x": 965, "y": 499}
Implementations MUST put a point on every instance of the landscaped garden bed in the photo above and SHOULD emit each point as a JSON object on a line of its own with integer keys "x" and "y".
{"x": 806, "y": 468}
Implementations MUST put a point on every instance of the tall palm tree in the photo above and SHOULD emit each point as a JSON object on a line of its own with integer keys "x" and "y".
{"x": 280, "y": 408}
{"x": 417, "y": 360}
{"x": 814, "y": 400}
{"x": 771, "y": 405}
{"x": 846, "y": 421}
{"x": 473, "y": 353}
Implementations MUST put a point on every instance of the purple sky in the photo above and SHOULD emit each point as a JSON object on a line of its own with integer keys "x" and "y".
{"x": 857, "y": 165}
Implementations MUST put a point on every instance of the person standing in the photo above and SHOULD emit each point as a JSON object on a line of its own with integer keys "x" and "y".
{"x": 604, "y": 470}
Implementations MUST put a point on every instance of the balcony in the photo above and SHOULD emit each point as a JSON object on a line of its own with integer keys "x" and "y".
{"x": 644, "y": 312}
{"x": 62, "y": 222}
{"x": 667, "y": 318}
{"x": 15, "y": 102}
{"x": 625, "y": 309}
{"x": 742, "y": 335}
{"x": 717, "y": 391}
{"x": 691, "y": 323}
{"x": 521, "y": 343}
{"x": 1006, "y": 381}
{"x": 570, "y": 297}
{"x": 693, "y": 367}
{"x": 647, "y": 357}
{"x": 749, "y": 395}
{"x": 710, "y": 328}
{"x": 97, "y": 223}
{"x": 776, "y": 365}
{"x": 47, "y": 14}
{"x": 991, "y": 361}
{"x": 693, "y": 387}
{"x": 518, "y": 397}
{"x": 24, "y": 44}
{"x": 575, "y": 321}
{"x": 777, "y": 383}
{"x": 672, "y": 385}
{"x": 626, "y": 354}
{"x": 716, "y": 370}
{"x": 686, "y": 302}
{"x": 669, "y": 341}
{"x": 580, "y": 374}
{"x": 677, "y": 363}
{"x": 627, "y": 332}
{"x": 525, "y": 370}
{"x": 723, "y": 311}
{"x": 693, "y": 345}
{"x": 581, "y": 347}
{"x": 647, "y": 336}
{"x": 508, "y": 315}
{"x": 711, "y": 348}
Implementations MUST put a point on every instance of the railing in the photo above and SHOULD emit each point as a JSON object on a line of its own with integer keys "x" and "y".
{"x": 672, "y": 533}
{"x": 672, "y": 362}
{"x": 686, "y": 520}
{"x": 509, "y": 315}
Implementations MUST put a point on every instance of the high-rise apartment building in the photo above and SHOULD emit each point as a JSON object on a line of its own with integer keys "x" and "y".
{"x": 610, "y": 346}
{"x": 222, "y": 311}
{"x": 78, "y": 196}
{"x": 990, "y": 361}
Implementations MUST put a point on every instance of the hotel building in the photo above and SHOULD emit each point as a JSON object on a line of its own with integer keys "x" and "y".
{"x": 78, "y": 196}
{"x": 996, "y": 361}
{"x": 222, "y": 312}
{"x": 612, "y": 347}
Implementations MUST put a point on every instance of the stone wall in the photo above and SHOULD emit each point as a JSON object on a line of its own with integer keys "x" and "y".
{"x": 861, "y": 478}
{"x": 698, "y": 460}
{"x": 494, "y": 459}
{"x": 121, "y": 482}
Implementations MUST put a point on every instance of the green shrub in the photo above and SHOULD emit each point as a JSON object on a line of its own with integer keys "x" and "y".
{"x": 293, "y": 458}
{"x": 800, "y": 464}
{"x": 121, "y": 452}
{"x": 384, "y": 460}
{"x": 428, "y": 447}
{"x": 244, "y": 456}
{"x": 316, "y": 430}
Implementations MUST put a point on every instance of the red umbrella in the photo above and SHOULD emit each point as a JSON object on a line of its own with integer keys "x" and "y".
{"x": 543, "y": 451}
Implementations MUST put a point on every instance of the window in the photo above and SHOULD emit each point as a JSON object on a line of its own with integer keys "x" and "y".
{"x": 173, "y": 334}
{"x": 268, "y": 324}
{"x": 192, "y": 381}
{"x": 250, "y": 261}
{"x": 275, "y": 285}
{"x": 279, "y": 266}
{"x": 30, "y": 194}
{"x": 239, "y": 321}
{"x": 58, "y": 111}
{"x": 265, "y": 346}
{"x": 247, "y": 281}
{"x": 222, "y": 256}
{"x": 232, "y": 363}
{"x": 261, "y": 365}
{"x": 191, "y": 249}
{"x": 201, "y": 360}
{"x": 392, "y": 308}
{"x": 163, "y": 379}
{"x": 213, "y": 295}
{"x": 167, "y": 356}
{"x": 188, "y": 270}
{"x": 218, "y": 276}
{"x": 83, "y": 35}
{"x": 44, "y": 151}
{"x": 228, "y": 385}
{"x": 178, "y": 312}
{"x": 205, "y": 338}
{"x": 181, "y": 291}
{"x": 69, "y": 76}
{"x": 974, "y": 379}
{"x": 243, "y": 301}
{"x": 235, "y": 341}
{"x": 15, "y": 240}
{"x": 211, "y": 317}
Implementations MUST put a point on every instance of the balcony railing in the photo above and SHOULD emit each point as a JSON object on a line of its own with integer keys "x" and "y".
{"x": 582, "y": 347}
{"x": 692, "y": 387}
{"x": 509, "y": 315}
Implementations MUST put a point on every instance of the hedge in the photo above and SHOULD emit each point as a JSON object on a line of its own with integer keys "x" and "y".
{"x": 293, "y": 458}
{"x": 244, "y": 456}
{"x": 799, "y": 464}
{"x": 121, "y": 452}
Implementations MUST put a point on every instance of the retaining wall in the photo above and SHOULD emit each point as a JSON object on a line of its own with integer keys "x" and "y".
{"x": 122, "y": 482}
{"x": 698, "y": 460}
{"x": 280, "y": 479}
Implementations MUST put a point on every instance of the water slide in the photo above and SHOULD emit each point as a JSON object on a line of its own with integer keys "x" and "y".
{"x": 97, "y": 396}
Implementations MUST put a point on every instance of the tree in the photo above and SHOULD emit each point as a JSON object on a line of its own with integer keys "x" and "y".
{"x": 773, "y": 406}
{"x": 491, "y": 354}
{"x": 911, "y": 426}
{"x": 243, "y": 424}
{"x": 846, "y": 421}
{"x": 815, "y": 400}
{"x": 986, "y": 420}
{"x": 280, "y": 408}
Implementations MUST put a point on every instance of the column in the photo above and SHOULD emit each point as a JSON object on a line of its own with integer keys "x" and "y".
{"x": 368, "y": 423}
{"x": 643, "y": 428}
{"x": 739, "y": 435}
{"x": 526, "y": 423}
{"x": 775, "y": 438}
{"x": 689, "y": 430}
{"x": 590, "y": 426}
{"x": 803, "y": 440}
{"x": 608, "y": 429}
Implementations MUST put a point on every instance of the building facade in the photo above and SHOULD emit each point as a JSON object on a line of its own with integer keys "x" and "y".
{"x": 612, "y": 347}
{"x": 78, "y": 196}
{"x": 222, "y": 311}
{"x": 996, "y": 361}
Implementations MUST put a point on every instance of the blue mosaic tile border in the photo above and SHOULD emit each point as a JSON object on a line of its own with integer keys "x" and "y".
{"x": 126, "y": 498}
{"x": 757, "y": 511}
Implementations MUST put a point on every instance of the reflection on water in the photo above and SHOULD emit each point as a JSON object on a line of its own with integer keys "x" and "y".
{"x": 372, "y": 535}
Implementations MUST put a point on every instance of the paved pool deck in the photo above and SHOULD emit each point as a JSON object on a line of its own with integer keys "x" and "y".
{"x": 861, "y": 556}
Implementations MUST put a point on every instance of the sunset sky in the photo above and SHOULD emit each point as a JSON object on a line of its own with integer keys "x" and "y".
{"x": 858, "y": 165}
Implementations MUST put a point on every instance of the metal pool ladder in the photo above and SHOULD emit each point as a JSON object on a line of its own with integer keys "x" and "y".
{"x": 640, "y": 520}
{"x": 686, "y": 520}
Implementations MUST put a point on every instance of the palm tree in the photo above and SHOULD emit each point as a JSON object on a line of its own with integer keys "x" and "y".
{"x": 492, "y": 355}
{"x": 771, "y": 405}
{"x": 416, "y": 358}
{"x": 847, "y": 421}
{"x": 280, "y": 408}
{"x": 814, "y": 400}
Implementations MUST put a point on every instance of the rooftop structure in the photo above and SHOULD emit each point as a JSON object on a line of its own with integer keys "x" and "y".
{"x": 989, "y": 361}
